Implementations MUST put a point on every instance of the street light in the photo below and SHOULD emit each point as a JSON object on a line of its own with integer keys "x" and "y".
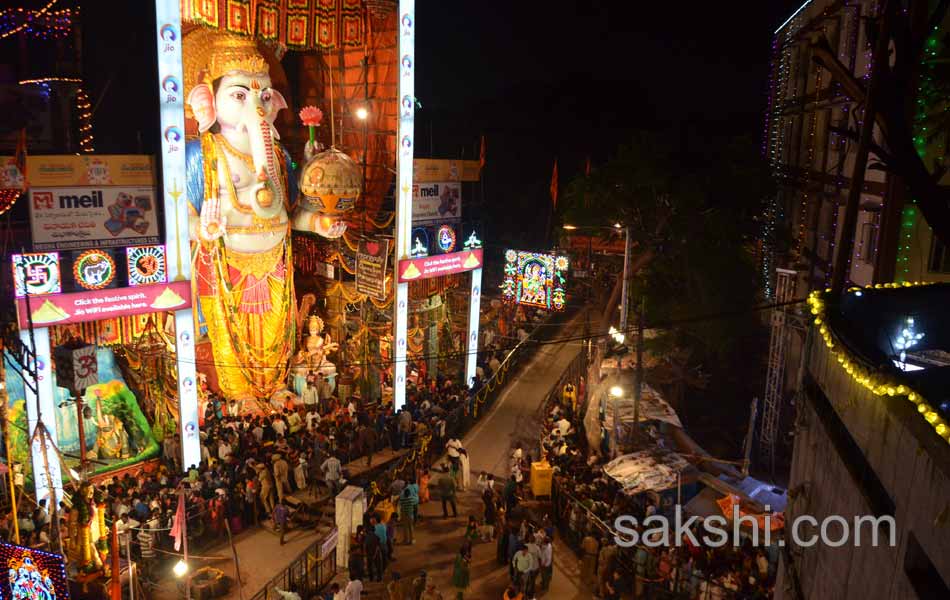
{"x": 362, "y": 114}
{"x": 180, "y": 568}
{"x": 570, "y": 227}
{"x": 616, "y": 391}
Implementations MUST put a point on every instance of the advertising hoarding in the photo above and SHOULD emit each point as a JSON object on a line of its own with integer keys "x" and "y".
{"x": 437, "y": 201}
{"x": 62, "y": 309}
{"x": 64, "y": 218}
{"x": 429, "y": 170}
{"x": 438, "y": 265}
{"x": 372, "y": 259}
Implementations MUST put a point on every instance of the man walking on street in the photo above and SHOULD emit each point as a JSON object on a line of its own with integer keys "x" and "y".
{"x": 547, "y": 563}
{"x": 281, "y": 514}
{"x": 523, "y": 564}
{"x": 447, "y": 492}
{"x": 407, "y": 515}
{"x": 332, "y": 468}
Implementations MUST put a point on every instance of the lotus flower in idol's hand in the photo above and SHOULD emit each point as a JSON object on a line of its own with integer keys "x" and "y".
{"x": 311, "y": 116}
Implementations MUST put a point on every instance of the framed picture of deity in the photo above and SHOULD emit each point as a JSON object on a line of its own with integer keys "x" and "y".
{"x": 535, "y": 279}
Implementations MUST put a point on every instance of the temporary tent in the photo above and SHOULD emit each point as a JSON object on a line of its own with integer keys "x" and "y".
{"x": 654, "y": 470}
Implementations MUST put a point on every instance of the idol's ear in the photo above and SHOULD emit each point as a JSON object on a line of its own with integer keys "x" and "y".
{"x": 277, "y": 102}
{"x": 201, "y": 101}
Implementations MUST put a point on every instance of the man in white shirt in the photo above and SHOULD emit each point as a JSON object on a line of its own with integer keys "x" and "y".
{"x": 224, "y": 450}
{"x": 313, "y": 421}
{"x": 547, "y": 562}
{"x": 332, "y": 468}
{"x": 353, "y": 590}
{"x": 124, "y": 527}
{"x": 564, "y": 425}
{"x": 279, "y": 427}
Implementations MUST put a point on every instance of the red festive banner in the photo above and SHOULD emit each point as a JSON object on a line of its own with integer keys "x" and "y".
{"x": 61, "y": 309}
{"x": 440, "y": 264}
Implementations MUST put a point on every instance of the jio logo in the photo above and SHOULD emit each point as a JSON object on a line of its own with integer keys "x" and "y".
{"x": 168, "y": 32}
{"x": 172, "y": 134}
{"x": 185, "y": 337}
{"x": 188, "y": 383}
{"x": 170, "y": 84}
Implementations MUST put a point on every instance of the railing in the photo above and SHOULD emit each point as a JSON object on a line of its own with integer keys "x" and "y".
{"x": 461, "y": 419}
{"x": 575, "y": 521}
{"x": 313, "y": 568}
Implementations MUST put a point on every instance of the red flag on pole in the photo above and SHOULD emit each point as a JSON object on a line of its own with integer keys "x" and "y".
{"x": 178, "y": 522}
{"x": 554, "y": 185}
{"x": 481, "y": 155}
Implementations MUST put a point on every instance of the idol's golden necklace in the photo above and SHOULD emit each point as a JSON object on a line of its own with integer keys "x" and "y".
{"x": 247, "y": 158}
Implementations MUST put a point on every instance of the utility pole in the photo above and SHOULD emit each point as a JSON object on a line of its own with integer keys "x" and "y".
{"x": 4, "y": 409}
{"x": 625, "y": 290}
{"x": 638, "y": 390}
{"x": 839, "y": 276}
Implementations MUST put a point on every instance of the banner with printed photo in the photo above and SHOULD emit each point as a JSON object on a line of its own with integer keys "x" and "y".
{"x": 436, "y": 202}
{"x": 72, "y": 218}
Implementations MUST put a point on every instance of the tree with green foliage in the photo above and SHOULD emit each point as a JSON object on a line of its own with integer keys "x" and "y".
{"x": 692, "y": 203}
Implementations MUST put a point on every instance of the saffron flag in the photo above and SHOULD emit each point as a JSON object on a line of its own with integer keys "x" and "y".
{"x": 178, "y": 524}
{"x": 554, "y": 185}
{"x": 481, "y": 155}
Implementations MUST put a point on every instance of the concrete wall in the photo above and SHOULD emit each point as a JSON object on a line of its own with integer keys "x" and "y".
{"x": 908, "y": 458}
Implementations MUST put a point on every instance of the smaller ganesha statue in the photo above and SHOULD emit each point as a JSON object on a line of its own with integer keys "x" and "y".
{"x": 330, "y": 185}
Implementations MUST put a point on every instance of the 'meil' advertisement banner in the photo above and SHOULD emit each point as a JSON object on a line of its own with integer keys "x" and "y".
{"x": 436, "y": 202}
{"x": 72, "y": 218}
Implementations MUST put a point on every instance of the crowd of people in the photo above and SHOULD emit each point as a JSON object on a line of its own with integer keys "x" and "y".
{"x": 257, "y": 468}
{"x": 586, "y": 503}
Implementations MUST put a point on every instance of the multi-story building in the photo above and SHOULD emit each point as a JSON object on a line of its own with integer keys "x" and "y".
{"x": 810, "y": 143}
{"x": 868, "y": 424}
{"x": 871, "y": 463}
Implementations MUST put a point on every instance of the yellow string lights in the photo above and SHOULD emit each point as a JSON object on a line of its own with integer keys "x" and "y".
{"x": 877, "y": 383}
{"x": 50, "y": 80}
{"x": 84, "y": 109}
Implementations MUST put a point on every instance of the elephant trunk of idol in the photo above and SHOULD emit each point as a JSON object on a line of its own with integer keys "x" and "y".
{"x": 268, "y": 199}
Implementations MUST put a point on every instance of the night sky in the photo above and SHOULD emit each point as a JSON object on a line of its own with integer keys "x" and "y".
{"x": 540, "y": 80}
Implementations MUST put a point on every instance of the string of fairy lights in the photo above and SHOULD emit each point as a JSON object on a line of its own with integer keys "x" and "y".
{"x": 44, "y": 23}
{"x": 48, "y": 24}
{"x": 777, "y": 130}
{"x": 931, "y": 147}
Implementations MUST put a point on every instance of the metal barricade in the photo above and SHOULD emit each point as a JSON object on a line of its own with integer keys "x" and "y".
{"x": 306, "y": 575}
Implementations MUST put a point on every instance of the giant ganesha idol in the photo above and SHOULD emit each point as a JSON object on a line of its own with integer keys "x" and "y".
{"x": 241, "y": 190}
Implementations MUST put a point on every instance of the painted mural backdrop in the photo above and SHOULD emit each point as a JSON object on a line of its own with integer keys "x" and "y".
{"x": 117, "y": 431}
